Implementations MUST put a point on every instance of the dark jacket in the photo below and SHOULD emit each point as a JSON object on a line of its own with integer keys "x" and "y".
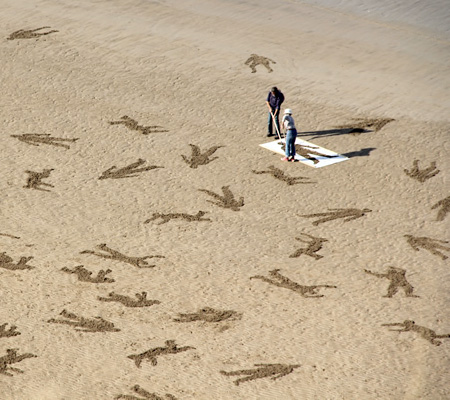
{"x": 275, "y": 100}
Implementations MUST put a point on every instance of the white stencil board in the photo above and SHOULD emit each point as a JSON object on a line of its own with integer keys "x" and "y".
{"x": 317, "y": 156}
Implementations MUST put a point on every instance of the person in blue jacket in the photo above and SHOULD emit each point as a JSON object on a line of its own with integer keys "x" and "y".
{"x": 274, "y": 100}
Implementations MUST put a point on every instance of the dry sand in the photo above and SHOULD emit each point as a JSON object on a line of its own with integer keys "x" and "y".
{"x": 141, "y": 242}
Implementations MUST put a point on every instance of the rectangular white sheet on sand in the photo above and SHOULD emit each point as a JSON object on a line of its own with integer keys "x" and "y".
{"x": 307, "y": 153}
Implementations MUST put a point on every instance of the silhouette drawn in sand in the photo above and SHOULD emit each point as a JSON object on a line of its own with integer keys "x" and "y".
{"x": 133, "y": 125}
{"x": 111, "y": 254}
{"x": 198, "y": 158}
{"x": 348, "y": 214}
{"x": 85, "y": 275}
{"x": 12, "y": 331}
{"x": 81, "y": 324}
{"x": 186, "y": 217}
{"x": 426, "y": 333}
{"x": 8, "y": 235}
{"x": 130, "y": 171}
{"x": 397, "y": 276}
{"x": 225, "y": 201}
{"x": 282, "y": 281}
{"x": 146, "y": 395}
{"x": 282, "y": 176}
{"x": 36, "y": 139}
{"x": 34, "y": 180}
{"x": 308, "y": 152}
{"x": 254, "y": 60}
{"x": 140, "y": 301}
{"x": 12, "y": 357}
{"x": 444, "y": 204}
{"x": 208, "y": 314}
{"x": 360, "y": 125}
{"x": 426, "y": 243}
{"x": 6, "y": 262}
{"x": 29, "y": 33}
{"x": 152, "y": 354}
{"x": 275, "y": 371}
{"x": 422, "y": 174}
{"x": 314, "y": 245}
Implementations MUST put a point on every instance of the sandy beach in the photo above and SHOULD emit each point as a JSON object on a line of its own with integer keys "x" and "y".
{"x": 150, "y": 248}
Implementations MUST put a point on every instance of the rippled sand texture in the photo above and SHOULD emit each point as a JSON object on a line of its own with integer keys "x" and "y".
{"x": 151, "y": 249}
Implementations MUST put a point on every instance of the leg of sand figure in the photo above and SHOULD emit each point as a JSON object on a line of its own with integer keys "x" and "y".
{"x": 392, "y": 289}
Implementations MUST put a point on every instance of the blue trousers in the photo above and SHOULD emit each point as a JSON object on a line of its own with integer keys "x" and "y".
{"x": 291, "y": 135}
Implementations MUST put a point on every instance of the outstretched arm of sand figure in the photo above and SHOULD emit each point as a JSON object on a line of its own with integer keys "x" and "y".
{"x": 376, "y": 274}
{"x": 399, "y": 324}
{"x": 249, "y": 60}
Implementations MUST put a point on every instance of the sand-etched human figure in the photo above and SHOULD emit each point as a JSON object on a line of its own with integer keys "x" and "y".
{"x": 111, "y": 254}
{"x": 208, "y": 314}
{"x": 314, "y": 245}
{"x": 140, "y": 301}
{"x": 12, "y": 331}
{"x": 432, "y": 245}
{"x": 282, "y": 176}
{"x": 426, "y": 333}
{"x": 29, "y": 33}
{"x": 348, "y": 214}
{"x": 6, "y": 262}
{"x": 133, "y": 125}
{"x": 444, "y": 204}
{"x": 130, "y": 171}
{"x": 34, "y": 180}
{"x": 255, "y": 60}
{"x": 9, "y": 235}
{"x": 198, "y": 158}
{"x": 81, "y": 324}
{"x": 397, "y": 276}
{"x": 284, "y": 282}
{"x": 10, "y": 358}
{"x": 187, "y": 217}
{"x": 146, "y": 395}
{"x": 308, "y": 152}
{"x": 422, "y": 174}
{"x": 358, "y": 125}
{"x": 275, "y": 371}
{"x": 85, "y": 275}
{"x": 36, "y": 139}
{"x": 152, "y": 354}
{"x": 225, "y": 201}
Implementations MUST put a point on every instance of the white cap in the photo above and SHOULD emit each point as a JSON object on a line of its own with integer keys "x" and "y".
{"x": 288, "y": 111}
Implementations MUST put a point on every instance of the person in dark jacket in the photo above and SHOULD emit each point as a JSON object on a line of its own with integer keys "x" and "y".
{"x": 274, "y": 100}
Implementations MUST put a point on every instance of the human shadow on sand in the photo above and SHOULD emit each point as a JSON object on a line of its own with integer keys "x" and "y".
{"x": 334, "y": 132}
{"x": 359, "y": 153}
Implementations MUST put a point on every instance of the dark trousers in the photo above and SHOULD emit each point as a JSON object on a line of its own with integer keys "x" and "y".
{"x": 270, "y": 122}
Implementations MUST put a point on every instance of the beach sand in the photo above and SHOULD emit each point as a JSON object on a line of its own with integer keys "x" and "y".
{"x": 130, "y": 163}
